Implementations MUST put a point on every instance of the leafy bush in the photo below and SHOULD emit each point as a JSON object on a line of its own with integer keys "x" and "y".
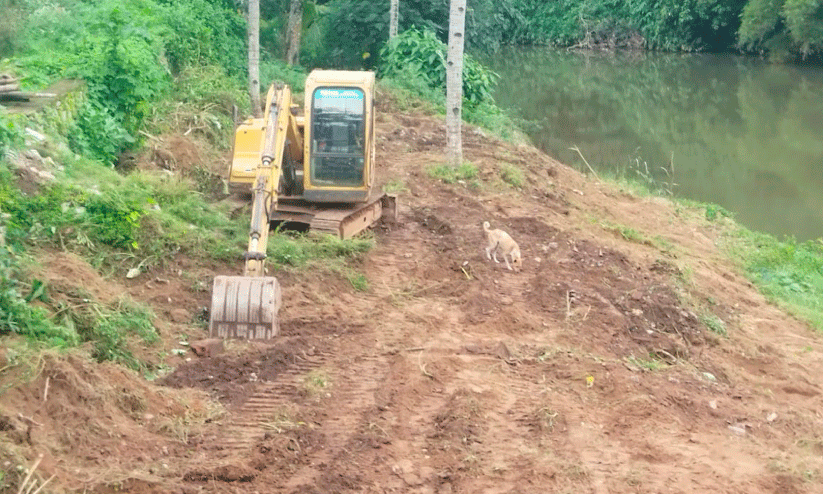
{"x": 96, "y": 133}
{"x": 203, "y": 32}
{"x": 419, "y": 55}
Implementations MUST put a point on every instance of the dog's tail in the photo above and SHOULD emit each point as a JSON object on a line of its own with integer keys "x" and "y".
{"x": 486, "y": 226}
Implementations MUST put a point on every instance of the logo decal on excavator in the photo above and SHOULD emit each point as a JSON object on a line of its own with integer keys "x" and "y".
{"x": 339, "y": 93}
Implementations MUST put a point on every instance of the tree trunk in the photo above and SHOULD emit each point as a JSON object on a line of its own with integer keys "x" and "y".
{"x": 393, "y": 15}
{"x": 293, "y": 32}
{"x": 254, "y": 57}
{"x": 454, "y": 82}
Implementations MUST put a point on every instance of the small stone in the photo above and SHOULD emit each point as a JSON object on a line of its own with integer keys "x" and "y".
{"x": 709, "y": 376}
{"x": 713, "y": 404}
{"x": 740, "y": 431}
{"x": 771, "y": 417}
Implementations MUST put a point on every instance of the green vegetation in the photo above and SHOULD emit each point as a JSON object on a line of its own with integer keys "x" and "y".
{"x": 649, "y": 364}
{"x": 450, "y": 175}
{"x": 788, "y": 272}
{"x": 714, "y": 323}
{"x": 415, "y": 62}
{"x": 512, "y": 175}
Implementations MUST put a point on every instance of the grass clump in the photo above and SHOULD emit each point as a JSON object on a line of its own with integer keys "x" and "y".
{"x": 449, "y": 174}
{"x": 300, "y": 249}
{"x": 512, "y": 175}
{"x": 714, "y": 323}
{"x": 650, "y": 364}
{"x": 395, "y": 186}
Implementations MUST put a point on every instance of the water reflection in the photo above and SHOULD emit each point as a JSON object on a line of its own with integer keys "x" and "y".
{"x": 734, "y": 131}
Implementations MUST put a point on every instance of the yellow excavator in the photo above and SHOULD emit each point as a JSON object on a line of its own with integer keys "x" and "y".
{"x": 315, "y": 169}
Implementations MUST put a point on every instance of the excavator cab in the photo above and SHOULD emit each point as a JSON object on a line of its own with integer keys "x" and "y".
{"x": 339, "y": 135}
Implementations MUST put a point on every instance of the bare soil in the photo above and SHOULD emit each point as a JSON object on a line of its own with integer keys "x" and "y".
{"x": 591, "y": 371}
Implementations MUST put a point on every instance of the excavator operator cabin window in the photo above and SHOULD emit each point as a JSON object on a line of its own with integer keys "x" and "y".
{"x": 338, "y": 137}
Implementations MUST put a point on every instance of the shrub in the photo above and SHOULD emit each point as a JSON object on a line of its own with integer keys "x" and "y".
{"x": 419, "y": 55}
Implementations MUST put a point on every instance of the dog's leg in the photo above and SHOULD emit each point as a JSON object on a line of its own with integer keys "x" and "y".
{"x": 489, "y": 252}
{"x": 496, "y": 248}
{"x": 505, "y": 258}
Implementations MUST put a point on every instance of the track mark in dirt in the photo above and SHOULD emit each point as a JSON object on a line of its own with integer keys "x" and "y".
{"x": 249, "y": 423}
{"x": 354, "y": 383}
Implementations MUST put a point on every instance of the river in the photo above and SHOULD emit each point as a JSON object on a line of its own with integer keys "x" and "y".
{"x": 737, "y": 132}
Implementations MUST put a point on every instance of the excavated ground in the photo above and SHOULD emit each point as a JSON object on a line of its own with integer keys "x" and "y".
{"x": 591, "y": 371}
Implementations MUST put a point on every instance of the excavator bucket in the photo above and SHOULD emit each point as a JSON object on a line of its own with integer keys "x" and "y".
{"x": 245, "y": 307}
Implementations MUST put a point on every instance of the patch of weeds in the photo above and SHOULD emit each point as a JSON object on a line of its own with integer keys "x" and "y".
{"x": 512, "y": 175}
{"x": 714, "y": 323}
{"x": 449, "y": 174}
{"x": 627, "y": 233}
{"x": 650, "y": 364}
{"x": 395, "y": 186}
{"x": 299, "y": 249}
{"x": 788, "y": 272}
{"x": 281, "y": 420}
{"x": 316, "y": 382}
{"x": 18, "y": 314}
{"x": 713, "y": 212}
{"x": 358, "y": 281}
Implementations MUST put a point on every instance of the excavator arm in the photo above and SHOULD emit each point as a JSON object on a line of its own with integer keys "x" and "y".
{"x": 247, "y": 306}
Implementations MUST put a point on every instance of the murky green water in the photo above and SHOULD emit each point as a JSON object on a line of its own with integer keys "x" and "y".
{"x": 738, "y": 132}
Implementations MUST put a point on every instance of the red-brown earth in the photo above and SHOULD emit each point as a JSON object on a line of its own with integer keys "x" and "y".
{"x": 590, "y": 371}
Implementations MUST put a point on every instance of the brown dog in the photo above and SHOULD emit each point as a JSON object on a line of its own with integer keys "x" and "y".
{"x": 501, "y": 242}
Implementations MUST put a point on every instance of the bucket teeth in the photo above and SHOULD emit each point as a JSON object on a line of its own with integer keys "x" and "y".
{"x": 245, "y": 307}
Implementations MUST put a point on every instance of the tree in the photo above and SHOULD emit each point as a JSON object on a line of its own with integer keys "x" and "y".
{"x": 293, "y": 32}
{"x": 393, "y": 15}
{"x": 454, "y": 82}
{"x": 254, "y": 57}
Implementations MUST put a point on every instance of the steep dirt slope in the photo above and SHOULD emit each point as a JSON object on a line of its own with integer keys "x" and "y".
{"x": 591, "y": 371}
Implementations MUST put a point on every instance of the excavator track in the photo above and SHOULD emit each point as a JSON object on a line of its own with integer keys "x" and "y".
{"x": 342, "y": 221}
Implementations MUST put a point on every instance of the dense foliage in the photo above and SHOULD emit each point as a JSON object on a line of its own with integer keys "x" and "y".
{"x": 419, "y": 55}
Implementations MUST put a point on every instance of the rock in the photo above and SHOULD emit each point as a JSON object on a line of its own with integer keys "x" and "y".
{"x": 208, "y": 347}
{"x": 180, "y": 315}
